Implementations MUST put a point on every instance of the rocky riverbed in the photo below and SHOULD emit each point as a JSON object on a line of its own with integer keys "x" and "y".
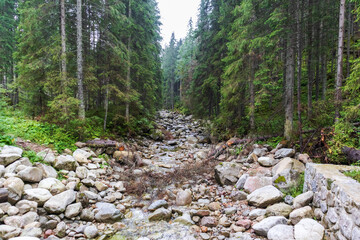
{"x": 168, "y": 186}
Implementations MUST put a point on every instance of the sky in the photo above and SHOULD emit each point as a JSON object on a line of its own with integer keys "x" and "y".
{"x": 175, "y": 16}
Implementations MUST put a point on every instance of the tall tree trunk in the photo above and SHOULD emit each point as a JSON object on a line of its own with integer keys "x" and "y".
{"x": 289, "y": 90}
{"x": 324, "y": 77}
{"x": 310, "y": 59}
{"x": 106, "y": 103}
{"x": 252, "y": 92}
{"x": 63, "y": 45}
{"x": 299, "y": 67}
{"x": 339, "y": 73}
{"x": 128, "y": 79}
{"x": 348, "y": 42}
{"x": 80, "y": 60}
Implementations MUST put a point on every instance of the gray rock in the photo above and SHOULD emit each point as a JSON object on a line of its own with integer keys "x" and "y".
{"x": 265, "y": 225}
{"x": 2, "y": 170}
{"x": 82, "y": 172}
{"x": 230, "y": 210}
{"x": 257, "y": 213}
{"x": 284, "y": 152}
{"x": 9, "y": 154}
{"x": 33, "y": 232}
{"x": 309, "y": 229}
{"x": 53, "y": 185}
{"x": 65, "y": 162}
{"x": 48, "y": 171}
{"x": 268, "y": 161}
{"x": 289, "y": 199}
{"x": 11, "y": 149}
{"x": 25, "y": 238}
{"x": 29, "y": 218}
{"x": 300, "y": 213}
{"x": 192, "y": 140}
{"x": 303, "y": 199}
{"x": 107, "y": 213}
{"x": 81, "y": 156}
{"x": 7, "y": 232}
{"x": 91, "y": 232}
{"x": 39, "y": 195}
{"x": 22, "y": 161}
{"x": 61, "y": 229}
{"x": 209, "y": 222}
{"x": 47, "y": 155}
{"x": 238, "y": 195}
{"x": 253, "y": 183}
{"x": 160, "y": 214}
{"x": 279, "y": 209}
{"x": 58, "y": 203}
{"x": 14, "y": 221}
{"x": 73, "y": 210}
{"x": 25, "y": 206}
{"x": 158, "y": 204}
{"x": 185, "y": 219}
{"x": 281, "y": 232}
{"x": 15, "y": 186}
{"x": 31, "y": 174}
{"x": 287, "y": 172}
{"x": 241, "y": 182}
{"x": 87, "y": 215}
{"x": 227, "y": 173}
{"x": 183, "y": 197}
{"x": 265, "y": 196}
{"x": 12, "y": 211}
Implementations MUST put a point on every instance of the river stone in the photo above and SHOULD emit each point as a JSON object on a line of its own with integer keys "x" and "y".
{"x": 241, "y": 182}
{"x": 265, "y": 196}
{"x": 30, "y": 217}
{"x": 81, "y": 156}
{"x": 123, "y": 156}
{"x": 22, "y": 161}
{"x": 192, "y": 140}
{"x": 2, "y": 171}
{"x": 47, "y": 155}
{"x": 12, "y": 211}
{"x": 90, "y": 232}
{"x": 214, "y": 206}
{"x": 287, "y": 172}
{"x": 208, "y": 222}
{"x": 278, "y": 209}
{"x": 9, "y": 154}
{"x": 39, "y": 195}
{"x": 284, "y": 152}
{"x": 185, "y": 219}
{"x": 158, "y": 204}
{"x": 5, "y": 231}
{"x": 266, "y": 224}
{"x": 183, "y": 197}
{"x": 14, "y": 221}
{"x": 14, "y": 185}
{"x": 257, "y": 213}
{"x": 48, "y": 171}
{"x": 100, "y": 186}
{"x": 281, "y": 232}
{"x": 303, "y": 199}
{"x": 300, "y": 213}
{"x": 73, "y": 210}
{"x": 25, "y": 238}
{"x": 53, "y": 185}
{"x": 227, "y": 173}
{"x": 253, "y": 183}
{"x": 25, "y": 206}
{"x": 58, "y": 203}
{"x": 107, "y": 213}
{"x": 87, "y": 215}
{"x": 268, "y": 161}
{"x": 61, "y": 229}
{"x": 65, "y": 162}
{"x": 82, "y": 172}
{"x": 31, "y": 174}
{"x": 29, "y": 233}
{"x": 309, "y": 229}
{"x": 160, "y": 214}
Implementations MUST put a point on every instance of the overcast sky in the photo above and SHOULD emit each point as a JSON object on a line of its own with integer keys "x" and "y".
{"x": 175, "y": 16}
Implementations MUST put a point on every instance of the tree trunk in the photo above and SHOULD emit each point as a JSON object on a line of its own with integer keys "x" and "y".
{"x": 339, "y": 73}
{"x": 128, "y": 79}
{"x": 348, "y": 42}
{"x": 80, "y": 60}
{"x": 289, "y": 90}
{"x": 299, "y": 67}
{"x": 324, "y": 77}
{"x": 252, "y": 93}
{"x": 63, "y": 45}
{"x": 310, "y": 60}
{"x": 106, "y": 103}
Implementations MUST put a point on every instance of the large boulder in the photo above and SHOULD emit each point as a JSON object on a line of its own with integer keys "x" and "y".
{"x": 81, "y": 156}
{"x": 58, "y": 203}
{"x": 265, "y": 196}
{"x": 107, "y": 213}
{"x": 65, "y": 162}
{"x": 47, "y": 155}
{"x": 268, "y": 161}
{"x": 266, "y": 224}
{"x": 160, "y": 214}
{"x": 48, "y": 171}
{"x": 309, "y": 229}
{"x": 31, "y": 174}
{"x": 284, "y": 152}
{"x": 300, "y": 213}
{"x": 54, "y": 185}
{"x": 16, "y": 187}
{"x": 22, "y": 161}
{"x": 279, "y": 209}
{"x": 227, "y": 173}
{"x": 287, "y": 173}
{"x": 256, "y": 182}
{"x": 39, "y": 195}
{"x": 9, "y": 154}
{"x": 281, "y": 232}
{"x": 303, "y": 199}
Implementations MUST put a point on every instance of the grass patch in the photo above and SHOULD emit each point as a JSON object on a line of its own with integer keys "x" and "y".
{"x": 297, "y": 189}
{"x": 354, "y": 174}
{"x": 33, "y": 157}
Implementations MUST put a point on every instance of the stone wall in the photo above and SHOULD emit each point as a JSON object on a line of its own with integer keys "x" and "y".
{"x": 336, "y": 199}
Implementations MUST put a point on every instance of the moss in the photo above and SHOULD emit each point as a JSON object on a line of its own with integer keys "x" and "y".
{"x": 355, "y": 174}
{"x": 329, "y": 182}
{"x": 280, "y": 179}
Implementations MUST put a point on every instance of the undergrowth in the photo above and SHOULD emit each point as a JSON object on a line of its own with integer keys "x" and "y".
{"x": 355, "y": 174}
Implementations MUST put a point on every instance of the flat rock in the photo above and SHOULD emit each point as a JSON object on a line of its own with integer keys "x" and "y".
{"x": 303, "y": 199}
{"x": 73, "y": 210}
{"x": 265, "y": 225}
{"x": 6, "y": 231}
{"x": 253, "y": 183}
{"x": 227, "y": 173}
{"x": 257, "y": 213}
{"x": 81, "y": 156}
{"x": 58, "y": 203}
{"x": 284, "y": 152}
{"x": 281, "y": 232}
{"x": 39, "y": 195}
{"x": 287, "y": 172}
{"x": 241, "y": 182}
{"x": 309, "y": 229}
{"x": 160, "y": 214}
{"x": 47, "y": 155}
{"x": 48, "y": 171}
{"x": 265, "y": 196}
{"x": 300, "y": 213}
{"x": 107, "y": 213}
{"x": 25, "y": 206}
{"x": 209, "y": 222}
{"x": 185, "y": 219}
{"x": 31, "y": 174}
{"x": 279, "y": 209}
{"x": 53, "y": 185}
{"x": 65, "y": 162}
{"x": 158, "y": 204}
{"x": 8, "y": 158}
{"x": 268, "y": 161}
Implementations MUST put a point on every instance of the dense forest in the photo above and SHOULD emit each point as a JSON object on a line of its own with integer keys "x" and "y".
{"x": 253, "y": 67}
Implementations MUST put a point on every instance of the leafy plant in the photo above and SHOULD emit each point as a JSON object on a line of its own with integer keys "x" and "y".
{"x": 6, "y": 140}
{"x": 296, "y": 190}
{"x": 33, "y": 157}
{"x": 355, "y": 174}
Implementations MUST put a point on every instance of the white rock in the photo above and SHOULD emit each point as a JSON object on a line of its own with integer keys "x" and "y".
{"x": 39, "y": 195}
{"x": 268, "y": 161}
{"x": 90, "y": 232}
{"x": 300, "y": 213}
{"x": 58, "y": 203}
{"x": 82, "y": 172}
{"x": 31, "y": 174}
{"x": 284, "y": 152}
{"x": 281, "y": 232}
{"x": 265, "y": 196}
{"x": 183, "y": 197}
{"x": 25, "y": 206}
{"x": 81, "y": 156}
{"x": 65, "y": 162}
{"x": 73, "y": 210}
{"x": 265, "y": 225}
{"x": 303, "y": 199}
{"x": 48, "y": 171}
{"x": 15, "y": 185}
{"x": 309, "y": 229}
{"x": 48, "y": 156}
{"x": 53, "y": 185}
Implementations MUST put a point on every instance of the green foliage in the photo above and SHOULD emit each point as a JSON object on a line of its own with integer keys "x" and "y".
{"x": 355, "y": 174}
{"x": 6, "y": 140}
{"x": 273, "y": 142}
{"x": 296, "y": 190}
{"x": 280, "y": 179}
{"x": 33, "y": 157}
